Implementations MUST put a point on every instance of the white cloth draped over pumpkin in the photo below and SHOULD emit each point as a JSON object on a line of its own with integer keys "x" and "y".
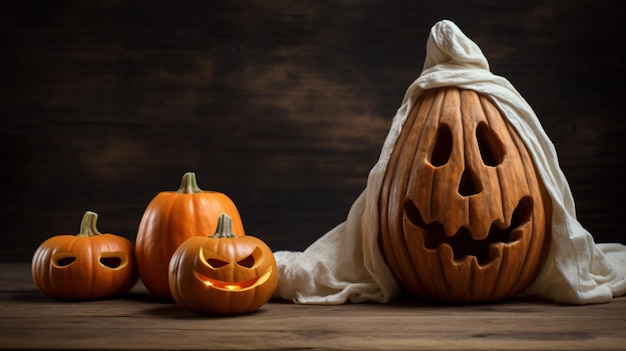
{"x": 346, "y": 264}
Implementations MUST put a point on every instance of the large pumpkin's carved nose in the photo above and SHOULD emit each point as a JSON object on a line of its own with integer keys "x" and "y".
{"x": 469, "y": 184}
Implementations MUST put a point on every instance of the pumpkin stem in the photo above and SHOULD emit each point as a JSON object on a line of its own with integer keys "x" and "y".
{"x": 189, "y": 185}
{"x": 88, "y": 225}
{"x": 224, "y": 227}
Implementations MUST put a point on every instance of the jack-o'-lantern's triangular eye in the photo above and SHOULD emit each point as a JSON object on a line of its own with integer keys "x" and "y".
{"x": 215, "y": 263}
{"x": 247, "y": 262}
{"x": 213, "y": 259}
{"x": 63, "y": 259}
{"x": 250, "y": 260}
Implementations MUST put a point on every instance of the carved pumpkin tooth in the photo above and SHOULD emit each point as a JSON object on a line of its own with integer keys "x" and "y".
{"x": 496, "y": 250}
{"x": 446, "y": 252}
{"x": 471, "y": 260}
{"x": 516, "y": 235}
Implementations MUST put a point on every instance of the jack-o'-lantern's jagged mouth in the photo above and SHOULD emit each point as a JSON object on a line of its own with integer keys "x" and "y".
{"x": 464, "y": 243}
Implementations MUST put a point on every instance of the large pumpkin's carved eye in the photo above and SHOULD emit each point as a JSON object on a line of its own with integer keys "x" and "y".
{"x": 442, "y": 149}
{"x": 491, "y": 148}
{"x": 63, "y": 259}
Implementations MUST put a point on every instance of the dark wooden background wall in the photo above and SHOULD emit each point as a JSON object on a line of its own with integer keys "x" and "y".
{"x": 282, "y": 105}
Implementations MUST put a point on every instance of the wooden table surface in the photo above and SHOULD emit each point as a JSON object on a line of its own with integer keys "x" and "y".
{"x": 30, "y": 320}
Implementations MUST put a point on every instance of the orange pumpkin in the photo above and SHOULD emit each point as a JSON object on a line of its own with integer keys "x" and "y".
{"x": 223, "y": 274}
{"x": 171, "y": 218}
{"x": 464, "y": 215}
{"x": 86, "y": 266}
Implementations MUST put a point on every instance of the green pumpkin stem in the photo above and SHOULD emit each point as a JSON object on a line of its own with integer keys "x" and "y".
{"x": 189, "y": 185}
{"x": 224, "y": 227}
{"x": 88, "y": 225}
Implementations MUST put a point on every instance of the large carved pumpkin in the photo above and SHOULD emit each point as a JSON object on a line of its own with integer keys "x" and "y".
{"x": 464, "y": 216}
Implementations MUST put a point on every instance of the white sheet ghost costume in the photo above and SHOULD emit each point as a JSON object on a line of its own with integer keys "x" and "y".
{"x": 346, "y": 264}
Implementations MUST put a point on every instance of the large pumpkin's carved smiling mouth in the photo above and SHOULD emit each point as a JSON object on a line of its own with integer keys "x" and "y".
{"x": 234, "y": 286}
{"x": 463, "y": 243}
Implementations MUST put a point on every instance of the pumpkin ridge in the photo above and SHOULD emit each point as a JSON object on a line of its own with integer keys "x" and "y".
{"x": 398, "y": 259}
{"x": 410, "y": 262}
{"x": 531, "y": 171}
{"x": 412, "y": 243}
{"x": 512, "y": 278}
{"x": 444, "y": 286}
{"x": 152, "y": 259}
{"x": 497, "y": 294}
{"x": 431, "y": 103}
{"x": 182, "y": 209}
{"x": 447, "y": 93}
{"x": 488, "y": 108}
{"x": 523, "y": 276}
{"x": 432, "y": 180}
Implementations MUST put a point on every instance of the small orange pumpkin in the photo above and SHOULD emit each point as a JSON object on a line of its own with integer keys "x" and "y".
{"x": 86, "y": 266}
{"x": 171, "y": 218}
{"x": 464, "y": 215}
{"x": 223, "y": 274}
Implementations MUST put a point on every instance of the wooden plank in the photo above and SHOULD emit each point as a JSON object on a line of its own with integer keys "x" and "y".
{"x": 31, "y": 320}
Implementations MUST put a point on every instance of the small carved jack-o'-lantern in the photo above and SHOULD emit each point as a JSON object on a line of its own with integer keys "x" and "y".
{"x": 464, "y": 216}
{"x": 86, "y": 266}
{"x": 223, "y": 274}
